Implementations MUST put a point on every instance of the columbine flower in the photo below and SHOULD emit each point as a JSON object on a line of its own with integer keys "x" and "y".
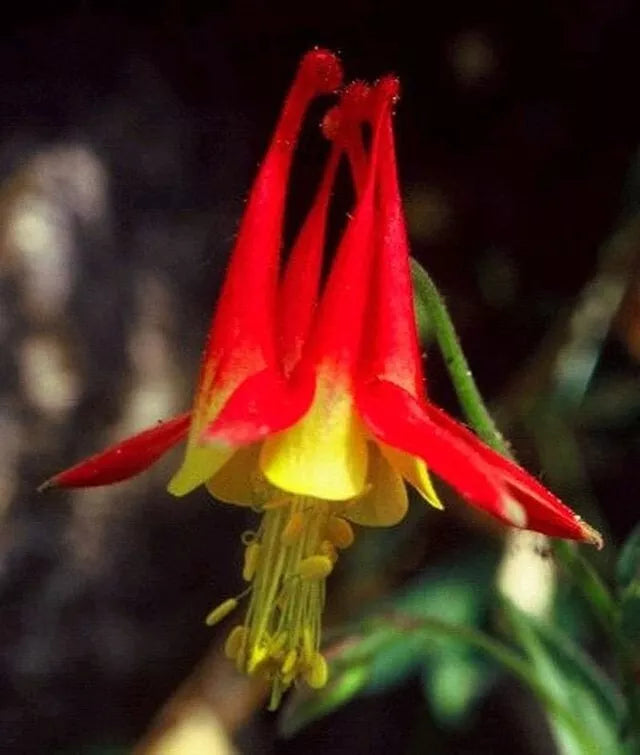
{"x": 306, "y": 417}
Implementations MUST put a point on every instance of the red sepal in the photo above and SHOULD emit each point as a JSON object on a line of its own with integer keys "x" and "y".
{"x": 482, "y": 476}
{"x": 125, "y": 459}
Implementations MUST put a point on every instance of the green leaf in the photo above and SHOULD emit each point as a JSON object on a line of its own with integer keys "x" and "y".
{"x": 587, "y": 709}
{"x": 628, "y": 566}
{"x": 454, "y": 681}
{"x": 628, "y": 630}
{"x": 588, "y": 583}
{"x": 458, "y": 593}
{"x": 629, "y": 634}
{"x": 630, "y": 615}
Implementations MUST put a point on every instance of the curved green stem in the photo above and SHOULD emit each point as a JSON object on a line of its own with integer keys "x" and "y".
{"x": 457, "y": 365}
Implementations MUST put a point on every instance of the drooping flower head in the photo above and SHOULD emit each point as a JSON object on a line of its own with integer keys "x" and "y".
{"x": 310, "y": 405}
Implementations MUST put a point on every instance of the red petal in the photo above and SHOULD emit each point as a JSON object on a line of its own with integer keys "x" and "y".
{"x": 242, "y": 334}
{"x": 342, "y": 125}
{"x": 264, "y": 404}
{"x": 125, "y": 459}
{"x": 298, "y": 293}
{"x": 339, "y": 322}
{"x": 299, "y": 289}
{"x": 393, "y": 353}
{"x": 482, "y": 476}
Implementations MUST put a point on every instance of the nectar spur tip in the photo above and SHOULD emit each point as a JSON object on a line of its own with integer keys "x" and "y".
{"x": 389, "y": 87}
{"x": 324, "y": 68}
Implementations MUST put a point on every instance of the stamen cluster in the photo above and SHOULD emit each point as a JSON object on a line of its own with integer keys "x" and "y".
{"x": 286, "y": 563}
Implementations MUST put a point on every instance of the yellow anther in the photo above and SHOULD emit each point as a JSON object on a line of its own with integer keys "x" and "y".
{"x": 318, "y": 672}
{"x": 222, "y": 611}
{"x": 251, "y": 556}
{"x": 235, "y": 641}
{"x": 293, "y": 529}
{"x": 289, "y": 662}
{"x": 278, "y": 643}
{"x": 339, "y": 531}
{"x": 257, "y": 661}
{"x": 328, "y": 549}
{"x": 315, "y": 567}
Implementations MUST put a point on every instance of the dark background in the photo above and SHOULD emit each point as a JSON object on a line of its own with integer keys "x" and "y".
{"x": 517, "y": 127}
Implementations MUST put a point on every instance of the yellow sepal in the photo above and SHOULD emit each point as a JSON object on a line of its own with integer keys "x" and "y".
{"x": 200, "y": 463}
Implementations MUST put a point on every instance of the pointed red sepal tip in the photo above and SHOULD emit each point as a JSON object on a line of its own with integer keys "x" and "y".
{"x": 125, "y": 459}
{"x": 322, "y": 69}
{"x": 388, "y": 87}
{"x": 590, "y": 535}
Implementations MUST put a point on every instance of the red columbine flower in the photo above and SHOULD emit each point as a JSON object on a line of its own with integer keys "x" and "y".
{"x": 313, "y": 412}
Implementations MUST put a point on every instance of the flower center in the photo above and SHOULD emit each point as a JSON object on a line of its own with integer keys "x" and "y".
{"x": 287, "y": 562}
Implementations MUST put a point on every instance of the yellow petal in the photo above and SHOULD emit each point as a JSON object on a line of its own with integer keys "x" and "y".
{"x": 323, "y": 455}
{"x": 414, "y": 471}
{"x": 385, "y": 502}
{"x": 239, "y": 480}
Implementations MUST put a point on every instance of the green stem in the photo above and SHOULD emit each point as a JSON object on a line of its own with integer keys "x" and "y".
{"x": 457, "y": 365}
